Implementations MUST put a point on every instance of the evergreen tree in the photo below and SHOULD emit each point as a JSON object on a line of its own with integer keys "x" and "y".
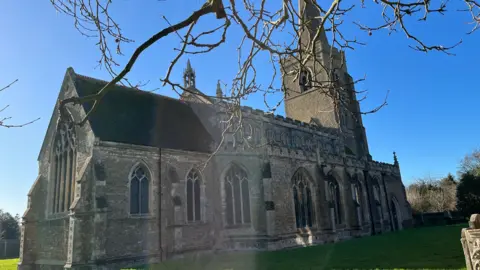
{"x": 9, "y": 226}
{"x": 468, "y": 194}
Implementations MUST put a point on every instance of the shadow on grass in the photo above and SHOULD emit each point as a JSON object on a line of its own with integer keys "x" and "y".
{"x": 425, "y": 248}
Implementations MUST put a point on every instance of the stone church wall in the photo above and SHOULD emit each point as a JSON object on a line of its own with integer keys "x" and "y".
{"x": 282, "y": 173}
{"x": 396, "y": 194}
{"x": 44, "y": 235}
{"x": 211, "y": 233}
{"x": 182, "y": 235}
{"x": 118, "y": 233}
{"x": 100, "y": 229}
{"x": 107, "y": 233}
{"x": 52, "y": 241}
{"x": 252, "y": 164}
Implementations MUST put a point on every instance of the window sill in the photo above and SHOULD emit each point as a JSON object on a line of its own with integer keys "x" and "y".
{"x": 195, "y": 223}
{"x": 188, "y": 224}
{"x": 239, "y": 226}
{"x": 58, "y": 215}
{"x": 140, "y": 216}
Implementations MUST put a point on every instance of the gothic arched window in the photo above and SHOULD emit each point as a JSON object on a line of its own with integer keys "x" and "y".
{"x": 237, "y": 196}
{"x": 193, "y": 196}
{"x": 139, "y": 191}
{"x": 302, "y": 198}
{"x": 305, "y": 80}
{"x": 357, "y": 199}
{"x": 335, "y": 199}
{"x": 378, "y": 201}
{"x": 63, "y": 167}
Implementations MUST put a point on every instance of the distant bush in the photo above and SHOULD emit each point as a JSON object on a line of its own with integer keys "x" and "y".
{"x": 428, "y": 195}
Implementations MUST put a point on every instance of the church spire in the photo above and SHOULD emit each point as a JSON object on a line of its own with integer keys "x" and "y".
{"x": 189, "y": 76}
{"x": 189, "y": 66}
{"x": 311, "y": 20}
{"x": 219, "y": 90}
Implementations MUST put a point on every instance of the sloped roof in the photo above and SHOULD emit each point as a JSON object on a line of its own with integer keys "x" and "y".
{"x": 128, "y": 115}
{"x": 194, "y": 91}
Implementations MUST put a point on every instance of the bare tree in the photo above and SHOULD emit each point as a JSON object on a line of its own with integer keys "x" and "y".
{"x": 470, "y": 163}
{"x": 432, "y": 195}
{"x": 6, "y": 118}
{"x": 260, "y": 26}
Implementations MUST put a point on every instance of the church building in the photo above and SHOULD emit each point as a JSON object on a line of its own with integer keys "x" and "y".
{"x": 150, "y": 178}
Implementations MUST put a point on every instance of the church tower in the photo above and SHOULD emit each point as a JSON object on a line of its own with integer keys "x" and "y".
{"x": 309, "y": 97}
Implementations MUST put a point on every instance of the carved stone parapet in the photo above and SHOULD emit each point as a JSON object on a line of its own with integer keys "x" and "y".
{"x": 470, "y": 239}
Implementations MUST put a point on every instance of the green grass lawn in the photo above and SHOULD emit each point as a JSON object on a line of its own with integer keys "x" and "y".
{"x": 425, "y": 248}
{"x": 8, "y": 264}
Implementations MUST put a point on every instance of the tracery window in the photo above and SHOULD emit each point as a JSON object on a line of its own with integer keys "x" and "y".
{"x": 357, "y": 200}
{"x": 139, "y": 191}
{"x": 63, "y": 167}
{"x": 302, "y": 197}
{"x": 378, "y": 201}
{"x": 335, "y": 200}
{"x": 193, "y": 196}
{"x": 237, "y": 196}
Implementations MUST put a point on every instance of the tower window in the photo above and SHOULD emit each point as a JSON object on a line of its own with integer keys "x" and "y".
{"x": 305, "y": 80}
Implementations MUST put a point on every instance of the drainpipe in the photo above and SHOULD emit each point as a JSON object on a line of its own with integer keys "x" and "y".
{"x": 372, "y": 222}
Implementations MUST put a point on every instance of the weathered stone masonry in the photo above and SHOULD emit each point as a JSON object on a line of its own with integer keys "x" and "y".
{"x": 147, "y": 187}
{"x": 99, "y": 230}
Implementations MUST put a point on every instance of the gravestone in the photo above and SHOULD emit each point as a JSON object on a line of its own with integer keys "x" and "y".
{"x": 470, "y": 239}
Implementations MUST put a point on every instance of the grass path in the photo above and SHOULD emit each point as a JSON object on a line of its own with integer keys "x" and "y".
{"x": 425, "y": 248}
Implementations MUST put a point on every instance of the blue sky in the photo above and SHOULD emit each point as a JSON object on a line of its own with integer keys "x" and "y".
{"x": 431, "y": 119}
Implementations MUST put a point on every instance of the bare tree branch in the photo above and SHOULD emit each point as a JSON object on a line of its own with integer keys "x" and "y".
{"x": 260, "y": 22}
{"x": 4, "y": 119}
{"x": 207, "y": 8}
{"x": 10, "y": 84}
